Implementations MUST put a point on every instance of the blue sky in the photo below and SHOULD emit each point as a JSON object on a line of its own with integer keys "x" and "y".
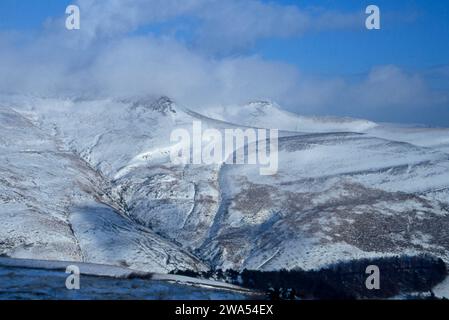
{"x": 414, "y": 38}
{"x": 29, "y": 14}
{"x": 414, "y": 34}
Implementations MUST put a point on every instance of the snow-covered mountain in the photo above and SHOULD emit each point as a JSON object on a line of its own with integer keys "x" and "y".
{"x": 59, "y": 204}
{"x": 92, "y": 181}
{"x": 265, "y": 114}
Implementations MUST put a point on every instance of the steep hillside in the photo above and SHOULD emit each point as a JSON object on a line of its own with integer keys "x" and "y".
{"x": 264, "y": 114}
{"x": 92, "y": 180}
{"x": 336, "y": 197}
{"x": 55, "y": 205}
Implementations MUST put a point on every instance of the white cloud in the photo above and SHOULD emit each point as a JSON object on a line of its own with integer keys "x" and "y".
{"x": 114, "y": 17}
{"x": 221, "y": 26}
{"x": 382, "y": 91}
{"x": 106, "y": 60}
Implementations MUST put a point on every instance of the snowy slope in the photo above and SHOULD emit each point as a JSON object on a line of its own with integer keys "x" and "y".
{"x": 56, "y": 206}
{"x": 436, "y": 138}
{"x": 129, "y": 143}
{"x": 336, "y": 197}
{"x": 264, "y": 114}
{"x": 91, "y": 180}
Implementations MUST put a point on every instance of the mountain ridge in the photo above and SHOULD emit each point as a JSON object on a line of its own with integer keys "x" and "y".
{"x": 184, "y": 217}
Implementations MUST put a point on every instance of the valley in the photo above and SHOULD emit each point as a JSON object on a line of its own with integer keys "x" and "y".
{"x": 91, "y": 181}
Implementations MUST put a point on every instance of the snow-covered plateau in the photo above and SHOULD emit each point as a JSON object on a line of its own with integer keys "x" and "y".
{"x": 91, "y": 181}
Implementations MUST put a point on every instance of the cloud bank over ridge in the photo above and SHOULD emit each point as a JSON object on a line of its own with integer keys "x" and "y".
{"x": 199, "y": 53}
